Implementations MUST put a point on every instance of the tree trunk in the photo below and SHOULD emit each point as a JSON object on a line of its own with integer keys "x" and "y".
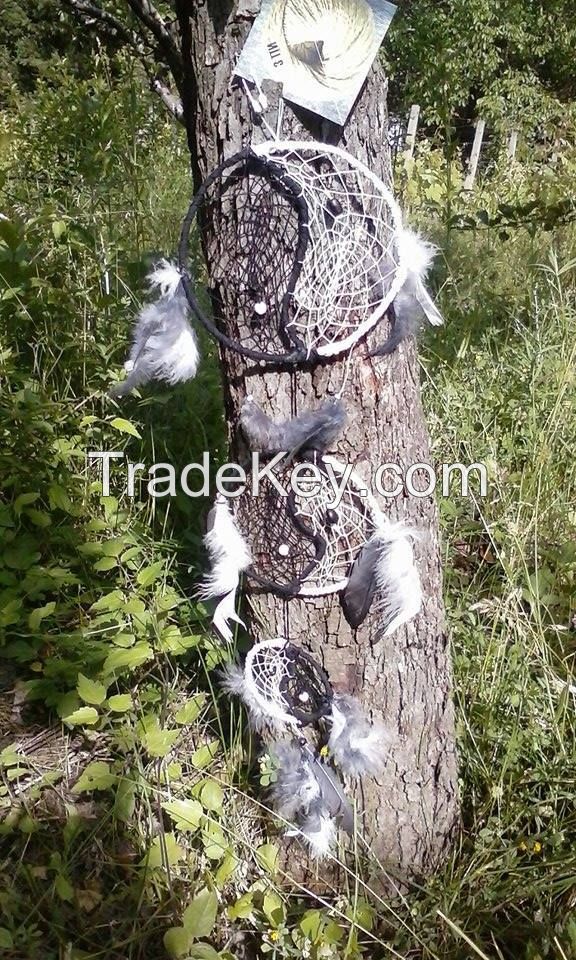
{"x": 409, "y": 813}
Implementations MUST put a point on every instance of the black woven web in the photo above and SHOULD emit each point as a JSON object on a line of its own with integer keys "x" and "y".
{"x": 250, "y": 220}
{"x": 305, "y": 687}
{"x": 284, "y": 549}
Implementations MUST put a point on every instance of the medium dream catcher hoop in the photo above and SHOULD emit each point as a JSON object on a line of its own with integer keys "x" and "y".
{"x": 306, "y": 542}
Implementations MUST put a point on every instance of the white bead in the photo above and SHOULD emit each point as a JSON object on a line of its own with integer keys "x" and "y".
{"x": 283, "y": 549}
{"x": 260, "y": 308}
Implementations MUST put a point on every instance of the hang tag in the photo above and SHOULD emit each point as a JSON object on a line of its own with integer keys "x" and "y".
{"x": 320, "y": 51}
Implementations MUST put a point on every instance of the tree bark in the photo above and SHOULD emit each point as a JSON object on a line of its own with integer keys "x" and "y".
{"x": 409, "y": 812}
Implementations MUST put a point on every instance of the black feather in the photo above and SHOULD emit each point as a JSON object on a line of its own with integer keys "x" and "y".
{"x": 359, "y": 592}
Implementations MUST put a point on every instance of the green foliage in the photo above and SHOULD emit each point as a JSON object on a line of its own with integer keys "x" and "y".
{"x": 157, "y": 850}
{"x": 513, "y": 59}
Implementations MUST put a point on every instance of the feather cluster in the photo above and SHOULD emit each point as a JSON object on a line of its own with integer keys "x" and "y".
{"x": 413, "y": 300}
{"x": 309, "y": 795}
{"x": 355, "y": 744}
{"x": 164, "y": 344}
{"x": 385, "y": 569}
{"x": 312, "y": 430}
{"x": 229, "y": 556}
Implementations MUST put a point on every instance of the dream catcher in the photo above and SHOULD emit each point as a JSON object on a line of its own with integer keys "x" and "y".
{"x": 327, "y": 535}
{"x": 290, "y": 252}
{"x": 284, "y": 689}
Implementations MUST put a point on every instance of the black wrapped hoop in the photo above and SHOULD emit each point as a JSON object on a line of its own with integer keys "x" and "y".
{"x": 247, "y": 164}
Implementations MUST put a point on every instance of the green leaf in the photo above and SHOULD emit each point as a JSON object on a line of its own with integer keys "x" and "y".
{"x": 125, "y": 800}
{"x": 273, "y": 908}
{"x": 177, "y": 941}
{"x": 212, "y": 796}
{"x": 38, "y": 517}
{"x": 128, "y": 659}
{"x": 59, "y": 499}
{"x": 6, "y": 938}
{"x": 58, "y": 229}
{"x": 311, "y": 924}
{"x": 109, "y": 603}
{"x": 106, "y": 563}
{"x": 215, "y": 843}
{"x": 267, "y": 856}
{"x": 226, "y": 870}
{"x": 200, "y": 915}
{"x": 190, "y": 710}
{"x": 157, "y": 740}
{"x": 40, "y": 614}
{"x": 163, "y": 848}
{"x": 24, "y": 500}
{"x": 186, "y": 814}
{"x": 96, "y": 776}
{"x": 84, "y": 715}
{"x": 90, "y": 691}
{"x": 64, "y": 888}
{"x": 204, "y": 756}
{"x": 147, "y": 575}
{"x": 243, "y": 907}
{"x": 124, "y": 426}
{"x": 203, "y": 951}
{"x": 120, "y": 702}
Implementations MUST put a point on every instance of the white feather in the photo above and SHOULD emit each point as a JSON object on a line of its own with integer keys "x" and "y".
{"x": 227, "y": 549}
{"x": 357, "y": 745}
{"x": 233, "y": 680}
{"x": 229, "y": 556}
{"x": 166, "y": 277}
{"x": 398, "y": 585}
{"x": 320, "y": 837}
{"x": 164, "y": 344}
{"x": 224, "y": 612}
{"x": 417, "y": 255}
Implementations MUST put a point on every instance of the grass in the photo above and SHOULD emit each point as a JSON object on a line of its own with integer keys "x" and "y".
{"x": 166, "y": 837}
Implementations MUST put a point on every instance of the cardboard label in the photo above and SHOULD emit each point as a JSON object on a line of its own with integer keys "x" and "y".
{"x": 319, "y": 50}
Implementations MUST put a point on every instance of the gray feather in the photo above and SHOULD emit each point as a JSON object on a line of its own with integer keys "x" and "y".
{"x": 307, "y": 789}
{"x": 357, "y": 746}
{"x": 296, "y": 787}
{"x": 163, "y": 342}
{"x": 311, "y": 430}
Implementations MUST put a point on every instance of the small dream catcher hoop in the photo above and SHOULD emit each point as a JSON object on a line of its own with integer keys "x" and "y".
{"x": 281, "y": 685}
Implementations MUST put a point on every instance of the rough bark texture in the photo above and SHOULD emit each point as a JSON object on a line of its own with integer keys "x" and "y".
{"x": 409, "y": 813}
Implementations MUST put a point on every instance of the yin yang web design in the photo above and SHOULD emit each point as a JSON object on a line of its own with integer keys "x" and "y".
{"x": 283, "y": 548}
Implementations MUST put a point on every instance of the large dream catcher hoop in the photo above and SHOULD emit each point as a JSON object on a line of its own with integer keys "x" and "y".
{"x": 291, "y": 251}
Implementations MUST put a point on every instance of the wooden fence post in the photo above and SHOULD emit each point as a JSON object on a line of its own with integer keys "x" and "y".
{"x": 475, "y": 156}
{"x": 410, "y": 142}
{"x": 512, "y": 144}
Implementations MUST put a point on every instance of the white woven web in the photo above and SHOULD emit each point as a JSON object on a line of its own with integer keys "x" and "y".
{"x": 352, "y": 270}
{"x": 267, "y": 667}
{"x": 346, "y": 527}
